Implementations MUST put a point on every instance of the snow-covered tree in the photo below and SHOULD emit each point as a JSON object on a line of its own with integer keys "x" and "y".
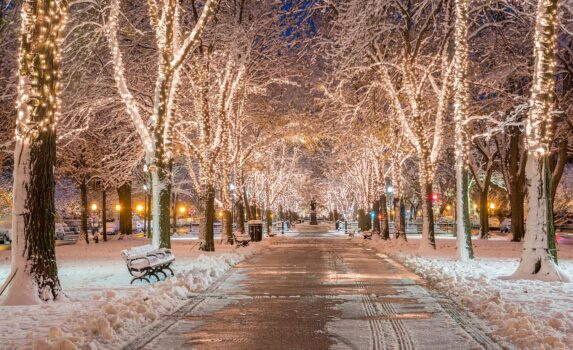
{"x": 539, "y": 257}
{"x": 175, "y": 45}
{"x": 34, "y": 274}
{"x": 461, "y": 95}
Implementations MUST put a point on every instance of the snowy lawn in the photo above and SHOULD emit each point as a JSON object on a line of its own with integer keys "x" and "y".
{"x": 521, "y": 314}
{"x": 102, "y": 310}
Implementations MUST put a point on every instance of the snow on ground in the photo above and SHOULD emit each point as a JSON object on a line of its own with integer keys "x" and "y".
{"x": 521, "y": 314}
{"x": 102, "y": 310}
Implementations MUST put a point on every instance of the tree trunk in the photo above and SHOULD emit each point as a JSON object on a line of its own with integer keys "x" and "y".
{"x": 516, "y": 199}
{"x": 124, "y": 195}
{"x": 400, "y": 223}
{"x": 363, "y": 220}
{"x": 104, "y": 214}
{"x": 539, "y": 257}
{"x": 385, "y": 229}
{"x": 463, "y": 223}
{"x": 516, "y": 185}
{"x": 559, "y": 166}
{"x": 461, "y": 92}
{"x": 34, "y": 273}
{"x": 240, "y": 217}
{"x": 148, "y": 213}
{"x": 428, "y": 241}
{"x": 161, "y": 207}
{"x": 207, "y": 229}
{"x": 483, "y": 215}
{"x": 84, "y": 234}
{"x": 228, "y": 227}
{"x": 414, "y": 211}
{"x": 174, "y": 213}
{"x": 377, "y": 212}
{"x": 269, "y": 221}
{"x": 246, "y": 205}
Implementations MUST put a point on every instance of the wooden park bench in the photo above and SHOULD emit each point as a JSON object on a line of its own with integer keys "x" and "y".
{"x": 145, "y": 261}
{"x": 241, "y": 240}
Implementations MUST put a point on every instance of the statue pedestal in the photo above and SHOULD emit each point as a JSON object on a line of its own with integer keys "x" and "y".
{"x": 313, "y": 220}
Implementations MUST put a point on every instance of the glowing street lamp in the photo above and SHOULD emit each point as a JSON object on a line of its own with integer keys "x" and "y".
{"x": 139, "y": 208}
{"x": 448, "y": 207}
{"x": 182, "y": 210}
{"x": 117, "y": 207}
{"x": 492, "y": 206}
{"x": 94, "y": 207}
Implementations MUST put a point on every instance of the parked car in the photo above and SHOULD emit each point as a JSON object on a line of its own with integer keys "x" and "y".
{"x": 112, "y": 227}
{"x": 60, "y": 232}
{"x": 136, "y": 226}
{"x": 73, "y": 225}
{"x": 5, "y": 236}
{"x": 564, "y": 238}
{"x": 505, "y": 226}
{"x": 493, "y": 223}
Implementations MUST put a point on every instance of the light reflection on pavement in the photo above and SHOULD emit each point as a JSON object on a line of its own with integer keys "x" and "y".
{"x": 317, "y": 291}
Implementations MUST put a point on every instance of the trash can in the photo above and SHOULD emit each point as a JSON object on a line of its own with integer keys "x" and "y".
{"x": 256, "y": 230}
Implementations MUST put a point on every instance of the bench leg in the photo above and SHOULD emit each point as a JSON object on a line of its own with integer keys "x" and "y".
{"x": 153, "y": 274}
{"x": 141, "y": 278}
{"x": 163, "y": 273}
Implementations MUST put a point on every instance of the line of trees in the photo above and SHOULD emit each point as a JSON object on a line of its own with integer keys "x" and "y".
{"x": 116, "y": 93}
{"x": 494, "y": 75}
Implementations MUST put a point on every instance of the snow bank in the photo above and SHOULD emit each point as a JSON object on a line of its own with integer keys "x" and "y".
{"x": 523, "y": 314}
{"x": 111, "y": 316}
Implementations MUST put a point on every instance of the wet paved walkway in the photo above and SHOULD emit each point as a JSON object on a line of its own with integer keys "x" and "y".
{"x": 318, "y": 292}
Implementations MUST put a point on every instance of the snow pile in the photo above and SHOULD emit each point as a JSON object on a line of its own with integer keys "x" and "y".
{"x": 525, "y": 314}
{"x": 117, "y": 316}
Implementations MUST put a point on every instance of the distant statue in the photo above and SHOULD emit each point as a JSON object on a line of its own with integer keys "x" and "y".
{"x": 312, "y": 205}
{"x": 313, "y": 220}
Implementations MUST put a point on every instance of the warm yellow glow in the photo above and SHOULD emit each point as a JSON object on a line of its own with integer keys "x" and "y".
{"x": 117, "y": 207}
{"x": 492, "y": 205}
{"x": 94, "y": 207}
{"x": 182, "y": 210}
{"x": 220, "y": 214}
{"x": 139, "y": 208}
{"x": 475, "y": 206}
{"x": 448, "y": 207}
